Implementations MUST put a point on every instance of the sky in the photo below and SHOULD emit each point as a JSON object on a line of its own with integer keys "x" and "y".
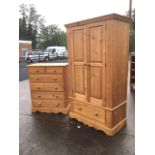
{"x": 62, "y": 12}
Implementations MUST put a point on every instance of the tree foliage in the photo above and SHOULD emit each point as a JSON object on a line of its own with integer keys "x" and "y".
{"x": 29, "y": 23}
{"x": 132, "y": 33}
{"x": 31, "y": 27}
{"x": 51, "y": 35}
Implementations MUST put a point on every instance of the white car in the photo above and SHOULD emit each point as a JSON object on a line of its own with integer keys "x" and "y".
{"x": 50, "y": 54}
{"x": 60, "y": 51}
{"x": 33, "y": 56}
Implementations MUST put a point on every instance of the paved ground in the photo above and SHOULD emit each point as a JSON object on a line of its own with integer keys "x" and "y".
{"x": 56, "y": 134}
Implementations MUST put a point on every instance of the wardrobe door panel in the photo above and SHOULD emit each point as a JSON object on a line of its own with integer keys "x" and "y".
{"x": 79, "y": 64}
{"x": 96, "y": 65}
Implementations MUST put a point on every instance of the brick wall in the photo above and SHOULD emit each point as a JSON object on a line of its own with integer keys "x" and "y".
{"x": 28, "y": 46}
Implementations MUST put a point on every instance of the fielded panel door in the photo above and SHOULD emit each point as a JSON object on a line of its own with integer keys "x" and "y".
{"x": 96, "y": 64}
{"x": 79, "y": 83}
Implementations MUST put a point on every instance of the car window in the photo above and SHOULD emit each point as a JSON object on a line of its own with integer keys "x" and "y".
{"x": 49, "y": 50}
{"x": 53, "y": 50}
{"x": 30, "y": 53}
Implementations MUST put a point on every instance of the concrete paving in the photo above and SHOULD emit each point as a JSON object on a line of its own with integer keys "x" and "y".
{"x": 57, "y": 134}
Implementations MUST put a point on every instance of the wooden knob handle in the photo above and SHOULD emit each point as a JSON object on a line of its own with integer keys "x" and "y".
{"x": 96, "y": 114}
{"x": 39, "y": 104}
{"x": 37, "y": 79}
{"x": 38, "y": 87}
{"x": 39, "y": 96}
{"x": 54, "y": 71}
{"x": 80, "y": 108}
{"x": 57, "y": 105}
{"x": 37, "y": 71}
{"x": 56, "y": 88}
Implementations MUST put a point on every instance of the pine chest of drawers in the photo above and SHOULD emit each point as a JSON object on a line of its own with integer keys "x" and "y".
{"x": 49, "y": 92}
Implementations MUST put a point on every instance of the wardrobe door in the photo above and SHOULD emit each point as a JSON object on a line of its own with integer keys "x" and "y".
{"x": 79, "y": 83}
{"x": 96, "y": 64}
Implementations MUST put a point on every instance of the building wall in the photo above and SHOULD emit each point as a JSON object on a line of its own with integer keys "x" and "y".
{"x": 26, "y": 45}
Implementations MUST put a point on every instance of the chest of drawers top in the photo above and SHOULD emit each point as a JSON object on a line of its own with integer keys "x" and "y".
{"x": 46, "y": 68}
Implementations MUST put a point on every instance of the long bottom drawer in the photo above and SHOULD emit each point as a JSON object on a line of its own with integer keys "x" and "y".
{"x": 88, "y": 111}
{"x": 48, "y": 103}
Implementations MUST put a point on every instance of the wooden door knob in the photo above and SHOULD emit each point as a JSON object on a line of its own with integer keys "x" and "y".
{"x": 38, "y": 87}
{"x": 56, "y": 88}
{"x": 39, "y": 96}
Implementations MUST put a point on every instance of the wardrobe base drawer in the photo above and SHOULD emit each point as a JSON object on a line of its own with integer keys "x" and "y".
{"x": 88, "y": 111}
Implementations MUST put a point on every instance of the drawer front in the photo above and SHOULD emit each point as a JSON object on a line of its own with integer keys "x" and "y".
{"x": 54, "y": 70}
{"x": 89, "y": 111}
{"x": 47, "y": 86}
{"x": 58, "y": 78}
{"x": 96, "y": 114}
{"x": 48, "y": 95}
{"x": 48, "y": 103}
{"x": 79, "y": 108}
{"x": 36, "y": 70}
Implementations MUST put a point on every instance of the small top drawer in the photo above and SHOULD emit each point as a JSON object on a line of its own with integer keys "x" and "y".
{"x": 54, "y": 70}
{"x": 36, "y": 70}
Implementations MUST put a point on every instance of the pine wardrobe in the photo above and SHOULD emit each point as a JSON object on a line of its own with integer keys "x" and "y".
{"x": 98, "y": 64}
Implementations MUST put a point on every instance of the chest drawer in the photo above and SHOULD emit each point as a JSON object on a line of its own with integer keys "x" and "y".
{"x": 48, "y": 103}
{"x": 54, "y": 70}
{"x": 96, "y": 114}
{"x": 46, "y": 78}
{"x": 48, "y": 95}
{"x": 47, "y": 86}
{"x": 36, "y": 70}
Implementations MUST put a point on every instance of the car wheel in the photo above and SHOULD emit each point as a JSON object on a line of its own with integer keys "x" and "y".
{"x": 46, "y": 59}
{"x": 28, "y": 60}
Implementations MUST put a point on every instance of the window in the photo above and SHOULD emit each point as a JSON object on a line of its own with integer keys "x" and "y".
{"x": 24, "y": 51}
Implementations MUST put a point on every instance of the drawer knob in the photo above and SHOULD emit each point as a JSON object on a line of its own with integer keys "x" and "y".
{"x": 39, "y": 96}
{"x": 56, "y": 88}
{"x": 38, "y": 87}
{"x": 39, "y": 104}
{"x": 79, "y": 108}
{"x": 54, "y": 71}
{"x": 57, "y": 105}
{"x": 55, "y": 79}
{"x": 56, "y": 96}
{"x": 96, "y": 114}
{"x": 37, "y": 79}
{"x": 37, "y": 71}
